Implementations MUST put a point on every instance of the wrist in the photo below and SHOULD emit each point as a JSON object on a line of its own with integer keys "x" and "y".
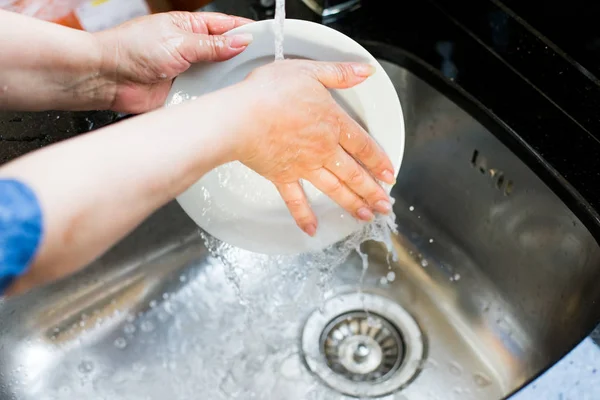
{"x": 222, "y": 121}
{"x": 104, "y": 70}
{"x": 247, "y": 118}
{"x": 82, "y": 73}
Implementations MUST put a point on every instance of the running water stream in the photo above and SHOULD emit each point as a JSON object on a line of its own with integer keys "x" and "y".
{"x": 279, "y": 25}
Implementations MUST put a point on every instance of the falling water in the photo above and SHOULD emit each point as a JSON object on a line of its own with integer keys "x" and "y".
{"x": 325, "y": 262}
{"x": 279, "y": 22}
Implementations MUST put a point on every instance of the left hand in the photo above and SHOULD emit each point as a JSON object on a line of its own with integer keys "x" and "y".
{"x": 143, "y": 56}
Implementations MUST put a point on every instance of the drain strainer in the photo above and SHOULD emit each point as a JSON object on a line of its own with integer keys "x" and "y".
{"x": 363, "y": 345}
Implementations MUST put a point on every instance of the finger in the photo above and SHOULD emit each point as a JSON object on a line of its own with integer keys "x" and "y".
{"x": 296, "y": 201}
{"x": 354, "y": 176}
{"x": 340, "y": 75}
{"x": 197, "y": 48}
{"x": 217, "y": 23}
{"x": 329, "y": 184}
{"x": 363, "y": 148}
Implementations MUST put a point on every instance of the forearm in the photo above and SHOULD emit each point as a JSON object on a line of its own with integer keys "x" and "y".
{"x": 48, "y": 66}
{"x": 95, "y": 189}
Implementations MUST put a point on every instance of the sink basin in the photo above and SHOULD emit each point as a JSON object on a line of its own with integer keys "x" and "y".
{"x": 489, "y": 282}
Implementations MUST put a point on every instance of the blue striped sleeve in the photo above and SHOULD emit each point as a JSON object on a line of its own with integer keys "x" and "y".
{"x": 20, "y": 230}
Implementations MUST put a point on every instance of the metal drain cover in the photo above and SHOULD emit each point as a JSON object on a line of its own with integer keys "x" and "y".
{"x": 363, "y": 345}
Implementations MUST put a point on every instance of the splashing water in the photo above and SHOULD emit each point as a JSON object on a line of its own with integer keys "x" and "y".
{"x": 279, "y": 24}
{"x": 325, "y": 262}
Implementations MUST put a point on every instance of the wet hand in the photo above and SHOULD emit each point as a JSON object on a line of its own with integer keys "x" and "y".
{"x": 142, "y": 56}
{"x": 298, "y": 132}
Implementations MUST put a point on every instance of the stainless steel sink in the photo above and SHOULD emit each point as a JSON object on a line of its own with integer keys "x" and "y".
{"x": 490, "y": 284}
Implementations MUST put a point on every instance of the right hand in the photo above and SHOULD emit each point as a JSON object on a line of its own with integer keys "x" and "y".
{"x": 297, "y": 131}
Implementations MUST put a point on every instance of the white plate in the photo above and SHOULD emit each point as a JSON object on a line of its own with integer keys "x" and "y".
{"x": 238, "y": 206}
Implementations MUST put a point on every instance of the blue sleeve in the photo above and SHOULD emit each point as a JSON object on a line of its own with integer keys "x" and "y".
{"x": 20, "y": 230}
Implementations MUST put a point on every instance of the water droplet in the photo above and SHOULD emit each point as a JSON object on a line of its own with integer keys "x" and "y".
{"x": 129, "y": 329}
{"x": 86, "y": 366}
{"x": 90, "y": 123}
{"x": 455, "y": 369}
{"x": 153, "y": 304}
{"x": 429, "y": 364}
{"x": 424, "y": 263}
{"x": 147, "y": 326}
{"x": 165, "y": 296}
{"x": 182, "y": 278}
{"x": 391, "y": 276}
{"x": 291, "y": 368}
{"x": 168, "y": 307}
{"x": 430, "y": 240}
{"x": 456, "y": 277}
{"x": 120, "y": 343}
{"x": 383, "y": 281}
{"x": 504, "y": 325}
{"x": 163, "y": 316}
{"x": 481, "y": 380}
{"x": 411, "y": 208}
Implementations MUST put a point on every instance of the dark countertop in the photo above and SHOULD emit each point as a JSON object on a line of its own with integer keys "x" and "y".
{"x": 542, "y": 89}
{"x": 22, "y": 132}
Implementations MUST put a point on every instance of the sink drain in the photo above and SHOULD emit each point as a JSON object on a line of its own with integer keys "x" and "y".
{"x": 363, "y": 345}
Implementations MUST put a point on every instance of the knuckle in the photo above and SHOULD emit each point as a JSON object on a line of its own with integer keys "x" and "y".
{"x": 356, "y": 177}
{"x": 375, "y": 195}
{"x": 341, "y": 73}
{"x": 181, "y": 19}
{"x": 335, "y": 187}
{"x": 380, "y": 165}
{"x": 356, "y": 204}
{"x": 295, "y": 205}
{"x": 366, "y": 149}
{"x": 303, "y": 221}
{"x": 216, "y": 45}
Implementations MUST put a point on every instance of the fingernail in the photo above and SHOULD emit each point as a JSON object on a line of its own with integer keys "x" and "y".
{"x": 310, "y": 230}
{"x": 365, "y": 214}
{"x": 388, "y": 177}
{"x": 241, "y": 40}
{"x": 383, "y": 206}
{"x": 363, "y": 70}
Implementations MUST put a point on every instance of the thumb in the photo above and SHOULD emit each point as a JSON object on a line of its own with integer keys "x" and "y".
{"x": 341, "y": 75}
{"x": 197, "y": 47}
